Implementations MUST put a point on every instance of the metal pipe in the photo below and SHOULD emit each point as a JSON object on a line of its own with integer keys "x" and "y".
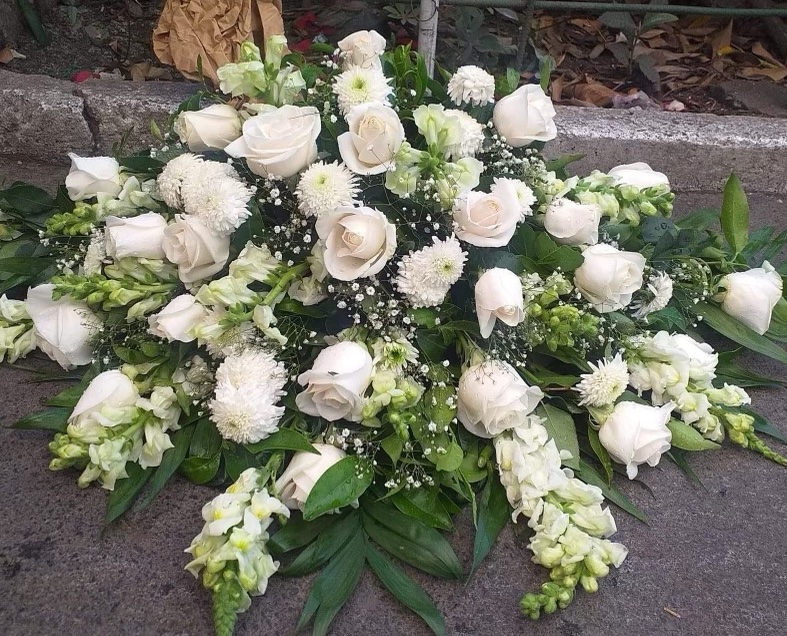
{"x": 599, "y": 7}
{"x": 427, "y": 33}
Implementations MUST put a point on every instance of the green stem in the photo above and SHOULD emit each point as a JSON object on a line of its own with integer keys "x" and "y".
{"x": 284, "y": 281}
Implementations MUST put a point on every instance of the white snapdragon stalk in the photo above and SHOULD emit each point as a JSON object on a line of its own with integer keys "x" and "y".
{"x": 17, "y": 338}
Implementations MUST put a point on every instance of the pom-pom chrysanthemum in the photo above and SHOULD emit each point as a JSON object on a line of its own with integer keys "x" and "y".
{"x": 360, "y": 86}
{"x": 472, "y": 137}
{"x": 221, "y": 203}
{"x": 471, "y": 85}
{"x": 175, "y": 173}
{"x": 323, "y": 187}
{"x": 606, "y": 384}
{"x": 426, "y": 276}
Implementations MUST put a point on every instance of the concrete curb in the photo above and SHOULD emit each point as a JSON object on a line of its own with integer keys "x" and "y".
{"x": 42, "y": 119}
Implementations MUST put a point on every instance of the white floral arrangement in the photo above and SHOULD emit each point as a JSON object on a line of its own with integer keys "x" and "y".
{"x": 364, "y": 299}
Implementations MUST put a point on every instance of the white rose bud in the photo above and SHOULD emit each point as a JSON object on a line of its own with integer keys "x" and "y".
{"x": 63, "y": 327}
{"x": 750, "y": 296}
{"x": 362, "y": 48}
{"x": 177, "y": 319}
{"x": 336, "y": 383}
{"x": 525, "y": 116}
{"x": 639, "y": 174}
{"x": 212, "y": 127}
{"x": 374, "y": 137}
{"x": 107, "y": 393}
{"x": 196, "y": 250}
{"x": 492, "y": 398}
{"x": 358, "y": 242}
{"x": 637, "y": 433}
{"x": 279, "y": 141}
{"x": 571, "y": 223}
{"x": 90, "y": 176}
{"x": 137, "y": 236}
{"x": 303, "y": 471}
{"x": 498, "y": 295}
{"x": 488, "y": 220}
{"x": 608, "y": 277}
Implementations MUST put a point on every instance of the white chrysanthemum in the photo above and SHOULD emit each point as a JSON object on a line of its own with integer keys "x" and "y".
{"x": 361, "y": 86}
{"x": 606, "y": 384}
{"x": 472, "y": 136}
{"x": 171, "y": 179}
{"x": 660, "y": 285}
{"x": 95, "y": 255}
{"x": 471, "y": 85}
{"x": 394, "y": 353}
{"x": 248, "y": 385}
{"x": 524, "y": 195}
{"x": 220, "y": 340}
{"x": 221, "y": 203}
{"x": 426, "y": 276}
{"x": 323, "y": 187}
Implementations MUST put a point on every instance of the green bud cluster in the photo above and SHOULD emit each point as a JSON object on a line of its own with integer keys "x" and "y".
{"x": 740, "y": 429}
{"x": 554, "y": 595}
{"x": 559, "y": 325}
{"x": 623, "y": 202}
{"x": 79, "y": 222}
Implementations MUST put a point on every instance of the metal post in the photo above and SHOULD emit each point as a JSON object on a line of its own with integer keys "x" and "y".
{"x": 427, "y": 32}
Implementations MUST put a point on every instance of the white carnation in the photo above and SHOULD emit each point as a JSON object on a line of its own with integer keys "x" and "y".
{"x": 323, "y": 187}
{"x": 426, "y": 276}
{"x": 606, "y": 384}
{"x": 471, "y": 85}
{"x": 360, "y": 85}
{"x": 471, "y": 137}
{"x": 221, "y": 203}
{"x": 660, "y": 285}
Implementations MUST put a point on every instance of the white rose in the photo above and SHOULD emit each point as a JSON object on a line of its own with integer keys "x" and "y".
{"x": 488, "y": 220}
{"x": 498, "y": 294}
{"x": 105, "y": 401}
{"x": 63, "y": 327}
{"x": 138, "y": 236}
{"x": 177, "y": 319}
{"x": 750, "y": 296}
{"x": 358, "y": 242}
{"x": 492, "y": 398}
{"x": 303, "y": 471}
{"x": 212, "y": 127}
{"x": 639, "y": 174}
{"x": 702, "y": 359}
{"x": 194, "y": 248}
{"x": 637, "y": 433}
{"x": 90, "y": 176}
{"x": 336, "y": 382}
{"x": 608, "y": 277}
{"x": 525, "y": 116}
{"x": 571, "y": 223}
{"x": 279, "y": 141}
{"x": 362, "y": 48}
{"x": 374, "y": 137}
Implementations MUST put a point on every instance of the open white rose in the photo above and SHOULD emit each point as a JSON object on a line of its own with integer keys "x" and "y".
{"x": 138, "y": 236}
{"x": 63, "y": 327}
{"x": 488, "y": 220}
{"x": 358, "y": 242}
{"x": 374, "y": 137}
{"x": 492, "y": 398}
{"x": 177, "y": 319}
{"x": 608, "y": 277}
{"x": 525, "y": 116}
{"x": 639, "y": 174}
{"x": 362, "y": 48}
{"x": 571, "y": 223}
{"x": 194, "y": 248}
{"x": 90, "y": 176}
{"x": 107, "y": 393}
{"x": 637, "y": 433}
{"x": 336, "y": 382}
{"x": 279, "y": 141}
{"x": 750, "y": 296}
{"x": 213, "y": 127}
{"x": 303, "y": 471}
{"x": 498, "y": 295}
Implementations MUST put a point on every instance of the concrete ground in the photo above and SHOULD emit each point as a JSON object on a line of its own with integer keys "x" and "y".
{"x": 711, "y": 562}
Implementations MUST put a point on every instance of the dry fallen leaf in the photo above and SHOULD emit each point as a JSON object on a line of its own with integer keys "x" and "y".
{"x": 760, "y": 51}
{"x": 776, "y": 74}
{"x": 139, "y": 71}
{"x": 722, "y": 41}
{"x": 593, "y": 93}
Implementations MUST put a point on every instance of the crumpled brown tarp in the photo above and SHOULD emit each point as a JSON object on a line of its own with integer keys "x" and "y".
{"x": 212, "y": 30}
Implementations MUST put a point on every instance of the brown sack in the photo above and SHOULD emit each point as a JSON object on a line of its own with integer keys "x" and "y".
{"x": 212, "y": 30}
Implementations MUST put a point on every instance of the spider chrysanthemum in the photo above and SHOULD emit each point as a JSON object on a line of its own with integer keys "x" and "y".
{"x": 426, "y": 276}
{"x": 221, "y": 203}
{"x": 605, "y": 385}
{"x": 472, "y": 136}
{"x": 471, "y": 85}
{"x": 360, "y": 86}
{"x": 323, "y": 187}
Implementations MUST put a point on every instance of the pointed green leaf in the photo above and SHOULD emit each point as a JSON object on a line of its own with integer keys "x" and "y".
{"x": 424, "y": 504}
{"x": 561, "y": 428}
{"x": 54, "y": 419}
{"x": 200, "y": 470}
{"x": 494, "y": 512}
{"x": 339, "y": 486}
{"x": 652, "y": 20}
{"x": 621, "y": 21}
{"x": 169, "y": 464}
{"x": 298, "y": 533}
{"x": 589, "y": 475}
{"x": 126, "y": 491}
{"x": 600, "y": 452}
{"x": 328, "y": 543}
{"x": 735, "y": 214}
{"x": 283, "y": 439}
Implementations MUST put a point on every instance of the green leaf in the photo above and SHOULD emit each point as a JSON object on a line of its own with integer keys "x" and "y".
{"x": 68, "y": 397}
{"x": 206, "y": 441}
{"x": 562, "y": 429}
{"x": 339, "y": 486}
{"x": 701, "y": 219}
{"x": 732, "y": 373}
{"x": 34, "y": 22}
{"x": 328, "y": 543}
{"x": 648, "y": 68}
{"x": 27, "y": 199}
{"x": 600, "y": 452}
{"x": 621, "y": 21}
{"x": 679, "y": 459}
{"x": 29, "y": 265}
{"x": 54, "y": 419}
{"x": 735, "y": 214}
{"x": 393, "y": 445}
{"x": 298, "y": 533}
{"x": 589, "y": 475}
{"x": 169, "y": 464}
{"x": 141, "y": 164}
{"x": 451, "y": 459}
{"x": 410, "y": 540}
{"x": 406, "y": 591}
{"x": 200, "y": 470}
{"x": 546, "y": 65}
{"x": 284, "y": 439}
{"x": 126, "y": 490}
{"x": 431, "y": 344}
{"x": 238, "y": 459}
{"x": 494, "y": 512}
{"x": 687, "y": 438}
{"x": 728, "y": 326}
{"x": 424, "y": 504}
{"x": 653, "y": 20}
